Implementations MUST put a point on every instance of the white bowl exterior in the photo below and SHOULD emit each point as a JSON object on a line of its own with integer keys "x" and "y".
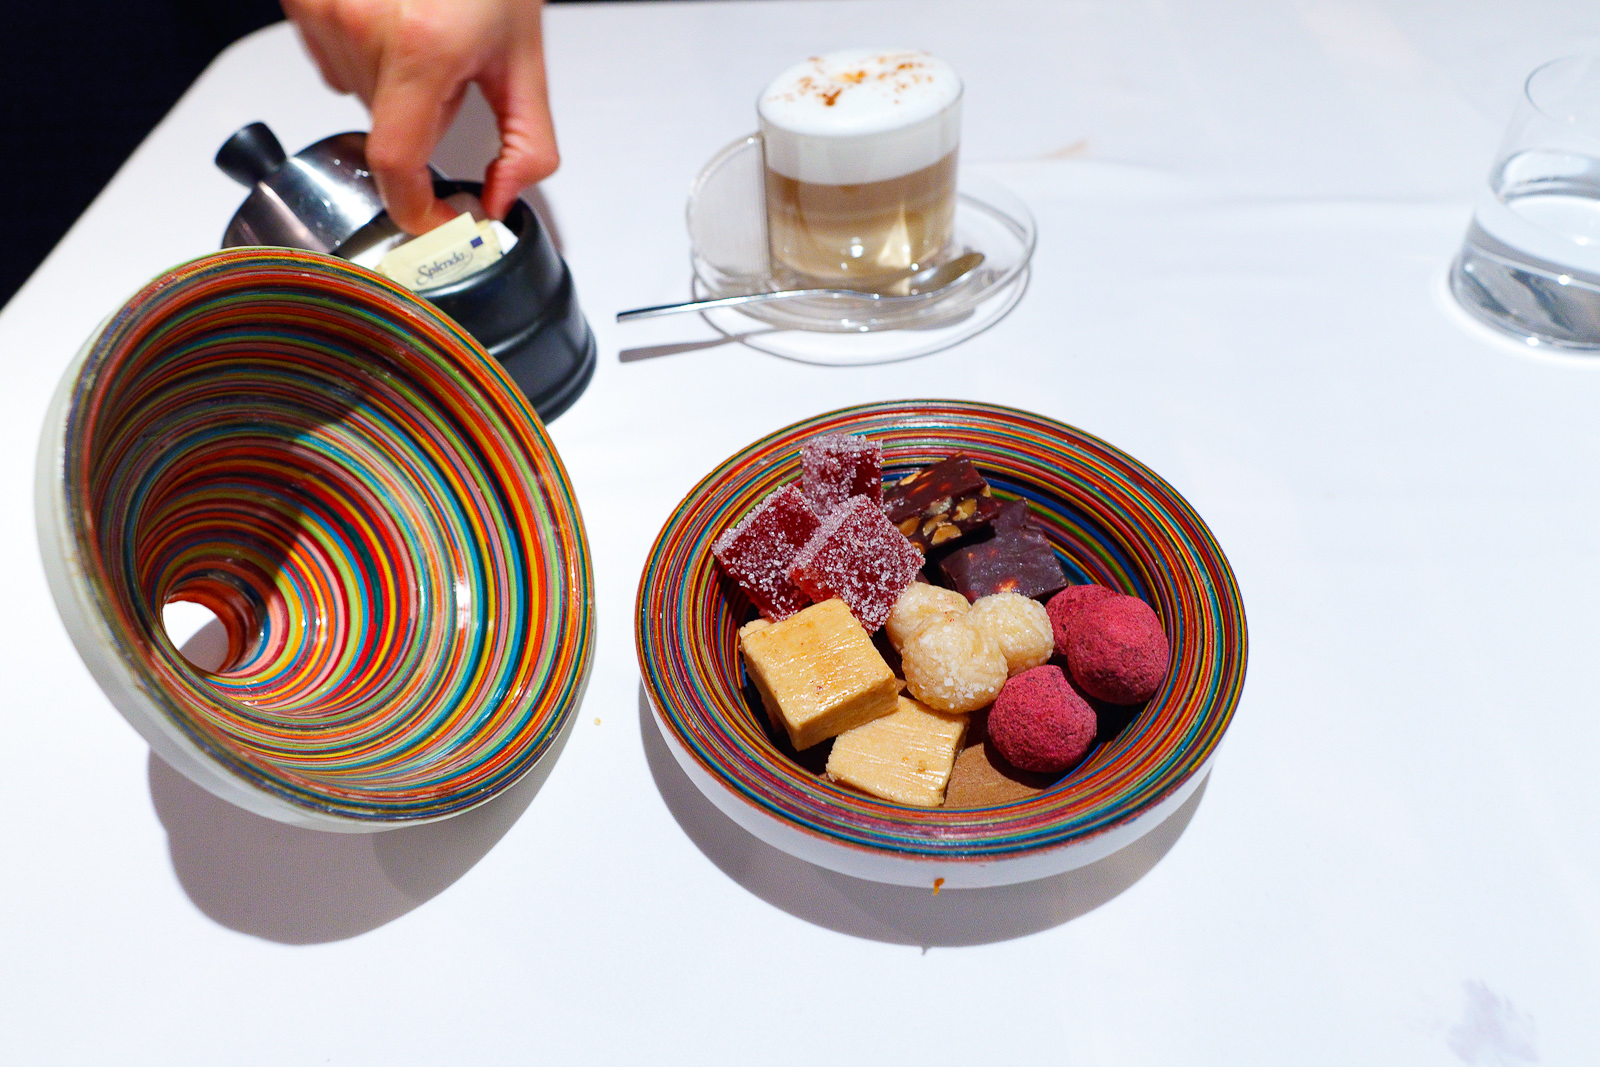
{"x": 893, "y": 868}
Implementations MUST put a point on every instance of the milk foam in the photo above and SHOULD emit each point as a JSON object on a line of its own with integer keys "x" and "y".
{"x": 862, "y": 115}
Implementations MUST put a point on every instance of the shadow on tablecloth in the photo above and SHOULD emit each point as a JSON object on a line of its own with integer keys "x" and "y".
{"x": 298, "y": 887}
{"x": 897, "y": 914}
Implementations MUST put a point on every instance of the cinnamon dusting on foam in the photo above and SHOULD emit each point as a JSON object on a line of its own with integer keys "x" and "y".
{"x": 904, "y": 72}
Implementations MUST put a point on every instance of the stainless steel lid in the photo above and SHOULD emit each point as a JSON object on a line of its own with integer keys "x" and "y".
{"x": 315, "y": 199}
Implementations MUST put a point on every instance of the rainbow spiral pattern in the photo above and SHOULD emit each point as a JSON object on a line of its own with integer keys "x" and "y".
{"x": 1112, "y": 521}
{"x": 371, "y": 509}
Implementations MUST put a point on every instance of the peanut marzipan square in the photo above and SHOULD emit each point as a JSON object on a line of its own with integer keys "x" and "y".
{"x": 818, "y": 673}
{"x": 905, "y": 756}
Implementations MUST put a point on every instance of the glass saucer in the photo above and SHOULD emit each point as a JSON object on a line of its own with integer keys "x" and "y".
{"x": 728, "y": 234}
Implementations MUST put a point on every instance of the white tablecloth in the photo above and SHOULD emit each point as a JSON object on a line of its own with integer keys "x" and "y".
{"x": 1245, "y": 211}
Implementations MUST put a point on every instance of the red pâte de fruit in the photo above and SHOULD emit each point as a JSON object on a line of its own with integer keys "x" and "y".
{"x": 1117, "y": 650}
{"x": 1039, "y": 723}
{"x": 757, "y": 552}
{"x": 858, "y": 556}
{"x": 1067, "y": 605}
{"x": 837, "y": 466}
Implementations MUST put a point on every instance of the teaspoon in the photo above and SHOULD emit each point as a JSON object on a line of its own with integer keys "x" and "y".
{"x": 922, "y": 284}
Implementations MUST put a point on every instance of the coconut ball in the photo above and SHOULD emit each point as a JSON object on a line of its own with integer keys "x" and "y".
{"x": 919, "y": 605}
{"x": 1019, "y": 624}
{"x": 952, "y": 666}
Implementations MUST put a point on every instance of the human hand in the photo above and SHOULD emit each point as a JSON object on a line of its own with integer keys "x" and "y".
{"x": 410, "y": 62}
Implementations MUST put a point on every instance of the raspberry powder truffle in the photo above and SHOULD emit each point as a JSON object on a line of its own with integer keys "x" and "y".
{"x": 1066, "y": 605}
{"x": 1039, "y": 723}
{"x": 1117, "y": 650}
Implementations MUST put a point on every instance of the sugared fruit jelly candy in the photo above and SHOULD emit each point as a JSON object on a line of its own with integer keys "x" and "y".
{"x": 938, "y": 504}
{"x": 858, "y": 556}
{"x": 757, "y": 552}
{"x": 837, "y": 466}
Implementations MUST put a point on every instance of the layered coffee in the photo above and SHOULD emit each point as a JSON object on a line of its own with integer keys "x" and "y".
{"x": 860, "y": 150}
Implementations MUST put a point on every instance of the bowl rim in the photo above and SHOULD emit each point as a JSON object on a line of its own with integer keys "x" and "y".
{"x": 66, "y": 547}
{"x": 737, "y": 796}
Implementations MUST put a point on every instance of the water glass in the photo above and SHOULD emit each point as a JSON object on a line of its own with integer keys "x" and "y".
{"x": 1530, "y": 264}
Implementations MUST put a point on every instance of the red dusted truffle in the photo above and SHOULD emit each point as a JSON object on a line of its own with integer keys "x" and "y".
{"x": 1067, "y": 605}
{"x": 1039, "y": 723}
{"x": 1117, "y": 650}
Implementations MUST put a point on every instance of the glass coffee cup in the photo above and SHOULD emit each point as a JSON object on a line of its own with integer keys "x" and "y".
{"x": 859, "y": 152}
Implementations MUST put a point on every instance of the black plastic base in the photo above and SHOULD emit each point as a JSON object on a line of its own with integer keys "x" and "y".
{"x": 524, "y": 310}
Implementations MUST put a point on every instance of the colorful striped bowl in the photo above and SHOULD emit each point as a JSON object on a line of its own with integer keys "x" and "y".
{"x": 370, "y": 508}
{"x": 1112, "y": 521}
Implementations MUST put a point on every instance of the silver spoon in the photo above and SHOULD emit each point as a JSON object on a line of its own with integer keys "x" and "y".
{"x": 922, "y": 284}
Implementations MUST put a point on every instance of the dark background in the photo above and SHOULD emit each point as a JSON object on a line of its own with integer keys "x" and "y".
{"x": 81, "y": 84}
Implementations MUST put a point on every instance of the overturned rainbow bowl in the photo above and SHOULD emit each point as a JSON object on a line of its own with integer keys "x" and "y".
{"x": 1111, "y": 521}
{"x": 371, "y": 510}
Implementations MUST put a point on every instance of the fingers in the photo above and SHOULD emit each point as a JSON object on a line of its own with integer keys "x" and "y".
{"x": 424, "y": 62}
{"x": 410, "y": 113}
{"x": 519, "y": 96}
{"x": 321, "y": 53}
{"x": 410, "y": 62}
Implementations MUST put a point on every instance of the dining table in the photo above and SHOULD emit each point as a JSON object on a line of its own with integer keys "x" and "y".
{"x": 1245, "y": 215}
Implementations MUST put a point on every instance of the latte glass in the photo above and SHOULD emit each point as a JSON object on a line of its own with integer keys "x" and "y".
{"x": 859, "y": 151}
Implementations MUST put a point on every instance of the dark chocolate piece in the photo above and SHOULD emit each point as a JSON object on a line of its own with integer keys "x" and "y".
{"x": 940, "y": 503}
{"x": 1017, "y": 559}
{"x": 1014, "y": 515}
